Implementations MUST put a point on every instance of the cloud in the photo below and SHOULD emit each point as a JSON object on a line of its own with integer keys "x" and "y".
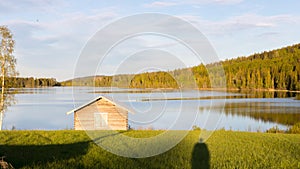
{"x": 49, "y": 37}
{"x": 13, "y": 6}
{"x": 159, "y": 4}
{"x": 239, "y": 23}
{"x": 142, "y": 61}
{"x": 268, "y": 34}
{"x": 51, "y": 47}
{"x": 244, "y": 34}
{"x": 227, "y": 2}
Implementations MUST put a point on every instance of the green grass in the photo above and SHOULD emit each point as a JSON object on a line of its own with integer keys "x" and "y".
{"x": 224, "y": 149}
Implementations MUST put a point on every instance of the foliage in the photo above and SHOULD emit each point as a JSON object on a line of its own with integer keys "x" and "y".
{"x": 277, "y": 69}
{"x": 196, "y": 127}
{"x": 224, "y": 149}
{"x": 8, "y": 67}
{"x": 295, "y": 129}
{"x": 153, "y": 80}
{"x": 8, "y": 61}
{"x": 30, "y": 82}
{"x": 275, "y": 130}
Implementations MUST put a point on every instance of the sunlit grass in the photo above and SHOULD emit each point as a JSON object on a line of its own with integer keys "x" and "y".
{"x": 74, "y": 149}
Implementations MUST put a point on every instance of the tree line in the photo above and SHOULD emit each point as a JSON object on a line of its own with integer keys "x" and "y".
{"x": 29, "y": 82}
{"x": 276, "y": 69}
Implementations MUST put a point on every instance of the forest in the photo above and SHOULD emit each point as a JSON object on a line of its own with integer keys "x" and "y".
{"x": 277, "y": 69}
{"x": 30, "y": 82}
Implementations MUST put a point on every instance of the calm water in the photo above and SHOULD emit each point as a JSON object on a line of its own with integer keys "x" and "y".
{"x": 45, "y": 108}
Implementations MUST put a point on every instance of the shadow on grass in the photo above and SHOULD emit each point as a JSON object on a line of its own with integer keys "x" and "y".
{"x": 100, "y": 135}
{"x": 28, "y": 155}
{"x": 200, "y": 156}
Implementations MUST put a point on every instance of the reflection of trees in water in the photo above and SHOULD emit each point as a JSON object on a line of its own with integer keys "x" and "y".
{"x": 298, "y": 96}
{"x": 7, "y": 99}
{"x": 265, "y": 94}
{"x": 251, "y": 94}
{"x": 282, "y": 118}
{"x": 264, "y": 111}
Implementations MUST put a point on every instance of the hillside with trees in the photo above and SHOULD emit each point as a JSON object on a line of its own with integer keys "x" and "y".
{"x": 277, "y": 69}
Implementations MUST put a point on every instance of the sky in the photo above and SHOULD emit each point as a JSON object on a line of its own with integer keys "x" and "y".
{"x": 50, "y": 35}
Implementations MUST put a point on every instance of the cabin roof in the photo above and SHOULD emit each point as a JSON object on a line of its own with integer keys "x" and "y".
{"x": 95, "y": 100}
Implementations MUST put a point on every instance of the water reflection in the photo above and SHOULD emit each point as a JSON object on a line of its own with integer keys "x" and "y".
{"x": 233, "y": 95}
{"x": 277, "y": 112}
{"x": 266, "y": 94}
{"x": 45, "y": 108}
{"x": 297, "y": 96}
{"x": 7, "y": 98}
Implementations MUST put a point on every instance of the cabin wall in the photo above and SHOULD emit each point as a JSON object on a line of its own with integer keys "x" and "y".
{"x": 117, "y": 117}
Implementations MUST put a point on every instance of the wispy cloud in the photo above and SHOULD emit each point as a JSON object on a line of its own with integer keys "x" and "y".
{"x": 250, "y": 32}
{"x": 47, "y": 45}
{"x": 13, "y": 6}
{"x": 239, "y": 23}
{"x": 159, "y": 4}
{"x": 50, "y": 34}
{"x": 268, "y": 34}
{"x": 227, "y": 2}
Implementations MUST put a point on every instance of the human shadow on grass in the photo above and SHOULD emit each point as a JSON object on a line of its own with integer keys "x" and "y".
{"x": 28, "y": 155}
{"x": 200, "y": 156}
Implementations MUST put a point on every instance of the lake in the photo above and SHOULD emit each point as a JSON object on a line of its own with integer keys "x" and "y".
{"x": 45, "y": 108}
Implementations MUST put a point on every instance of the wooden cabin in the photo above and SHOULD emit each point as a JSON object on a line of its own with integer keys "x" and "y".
{"x": 100, "y": 114}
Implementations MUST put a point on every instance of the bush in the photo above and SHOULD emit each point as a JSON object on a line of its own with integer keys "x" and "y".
{"x": 196, "y": 127}
{"x": 275, "y": 130}
{"x": 295, "y": 129}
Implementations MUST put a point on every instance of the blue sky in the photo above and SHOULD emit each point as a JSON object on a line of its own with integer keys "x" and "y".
{"x": 50, "y": 34}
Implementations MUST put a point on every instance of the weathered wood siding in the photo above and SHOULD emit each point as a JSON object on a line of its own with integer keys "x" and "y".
{"x": 117, "y": 117}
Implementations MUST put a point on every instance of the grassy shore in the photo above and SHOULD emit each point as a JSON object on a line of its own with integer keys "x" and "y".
{"x": 224, "y": 149}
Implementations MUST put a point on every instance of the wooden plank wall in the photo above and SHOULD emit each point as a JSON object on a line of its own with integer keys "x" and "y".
{"x": 117, "y": 117}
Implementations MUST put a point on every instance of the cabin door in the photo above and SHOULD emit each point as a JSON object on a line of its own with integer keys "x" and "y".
{"x": 100, "y": 120}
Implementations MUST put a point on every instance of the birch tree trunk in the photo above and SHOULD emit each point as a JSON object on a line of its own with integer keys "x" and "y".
{"x": 2, "y": 97}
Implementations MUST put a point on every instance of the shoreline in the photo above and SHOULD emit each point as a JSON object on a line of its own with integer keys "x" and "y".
{"x": 200, "y": 89}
